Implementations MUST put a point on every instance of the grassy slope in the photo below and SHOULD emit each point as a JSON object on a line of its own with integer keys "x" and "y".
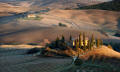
{"x": 26, "y": 63}
{"x": 7, "y": 9}
{"x": 102, "y": 59}
{"x": 102, "y": 52}
{"x": 31, "y": 31}
{"x": 112, "y": 6}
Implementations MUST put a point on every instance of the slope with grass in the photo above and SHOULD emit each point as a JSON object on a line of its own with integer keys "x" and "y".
{"x": 76, "y": 20}
{"x": 105, "y": 59}
{"x": 36, "y": 5}
{"x": 112, "y": 6}
{"x": 7, "y": 9}
{"x": 102, "y": 52}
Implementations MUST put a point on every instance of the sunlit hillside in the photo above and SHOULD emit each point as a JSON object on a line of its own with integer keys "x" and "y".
{"x": 112, "y": 6}
{"x": 59, "y": 36}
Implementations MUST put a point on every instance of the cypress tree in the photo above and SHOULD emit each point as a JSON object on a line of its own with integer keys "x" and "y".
{"x": 101, "y": 42}
{"x": 84, "y": 46}
{"x": 57, "y": 38}
{"x": 98, "y": 42}
{"x": 63, "y": 39}
{"x": 73, "y": 44}
{"x": 89, "y": 45}
{"x": 70, "y": 38}
{"x": 76, "y": 45}
{"x": 80, "y": 39}
{"x": 57, "y": 42}
{"x": 92, "y": 40}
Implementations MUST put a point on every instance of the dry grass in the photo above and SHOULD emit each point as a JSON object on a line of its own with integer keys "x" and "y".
{"x": 103, "y": 52}
{"x": 20, "y": 46}
{"x": 93, "y": 18}
{"x": 6, "y": 9}
{"x": 28, "y": 63}
{"x": 76, "y": 21}
{"x": 39, "y": 34}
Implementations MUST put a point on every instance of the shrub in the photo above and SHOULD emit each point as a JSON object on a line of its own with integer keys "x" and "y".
{"x": 115, "y": 46}
{"x": 109, "y": 46}
{"x": 62, "y": 25}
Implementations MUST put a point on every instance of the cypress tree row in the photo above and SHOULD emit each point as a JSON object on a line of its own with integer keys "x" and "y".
{"x": 81, "y": 42}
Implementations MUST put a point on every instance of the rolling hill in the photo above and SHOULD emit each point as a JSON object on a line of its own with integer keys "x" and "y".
{"x": 95, "y": 21}
{"x": 7, "y": 9}
{"x": 112, "y": 6}
{"x": 52, "y": 4}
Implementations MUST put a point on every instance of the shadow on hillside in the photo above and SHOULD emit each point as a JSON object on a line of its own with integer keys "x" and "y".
{"x": 19, "y": 31}
{"x": 13, "y": 51}
{"x": 23, "y": 30}
{"x": 6, "y": 19}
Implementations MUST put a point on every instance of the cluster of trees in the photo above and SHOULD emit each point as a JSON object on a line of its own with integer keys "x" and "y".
{"x": 59, "y": 43}
{"x": 75, "y": 43}
{"x": 83, "y": 43}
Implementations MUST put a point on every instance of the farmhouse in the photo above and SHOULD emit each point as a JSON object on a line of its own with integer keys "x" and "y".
{"x": 31, "y": 16}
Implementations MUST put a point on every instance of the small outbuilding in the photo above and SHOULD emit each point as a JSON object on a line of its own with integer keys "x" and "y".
{"x": 31, "y": 16}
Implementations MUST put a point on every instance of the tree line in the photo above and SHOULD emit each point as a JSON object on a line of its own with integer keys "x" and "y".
{"x": 81, "y": 42}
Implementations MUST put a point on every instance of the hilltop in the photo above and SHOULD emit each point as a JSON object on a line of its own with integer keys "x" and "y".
{"x": 102, "y": 52}
{"x": 112, "y": 6}
{"x": 36, "y": 5}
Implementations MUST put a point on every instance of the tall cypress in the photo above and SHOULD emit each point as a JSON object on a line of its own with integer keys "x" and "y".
{"x": 98, "y": 42}
{"x": 70, "y": 39}
{"x": 84, "y": 46}
{"x": 101, "y": 42}
{"x": 89, "y": 45}
{"x": 73, "y": 44}
{"x": 57, "y": 42}
{"x": 63, "y": 39}
{"x": 92, "y": 40}
{"x": 76, "y": 45}
{"x": 80, "y": 40}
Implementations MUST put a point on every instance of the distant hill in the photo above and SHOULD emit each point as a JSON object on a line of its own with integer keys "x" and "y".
{"x": 17, "y": 6}
{"x": 37, "y": 4}
{"x": 65, "y": 3}
{"x": 112, "y": 6}
{"x": 7, "y": 9}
